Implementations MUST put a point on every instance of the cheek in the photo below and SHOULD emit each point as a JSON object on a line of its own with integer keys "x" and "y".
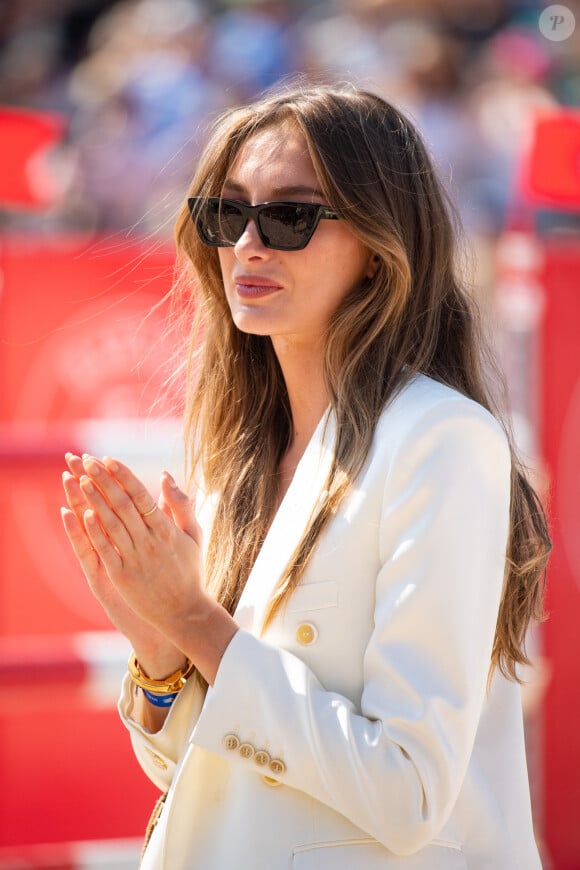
{"x": 348, "y": 261}
{"x": 225, "y": 257}
{"x": 346, "y": 250}
{"x": 226, "y": 263}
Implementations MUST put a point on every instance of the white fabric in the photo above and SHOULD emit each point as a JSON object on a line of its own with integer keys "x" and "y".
{"x": 395, "y": 755}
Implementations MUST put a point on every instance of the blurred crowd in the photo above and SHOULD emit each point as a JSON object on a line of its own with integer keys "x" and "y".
{"x": 139, "y": 80}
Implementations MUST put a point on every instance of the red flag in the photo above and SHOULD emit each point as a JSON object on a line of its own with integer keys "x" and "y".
{"x": 25, "y": 139}
{"x": 552, "y": 174}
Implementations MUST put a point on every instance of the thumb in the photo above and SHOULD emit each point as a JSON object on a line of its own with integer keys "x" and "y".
{"x": 180, "y": 506}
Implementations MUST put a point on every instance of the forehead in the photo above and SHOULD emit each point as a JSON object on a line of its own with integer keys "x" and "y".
{"x": 274, "y": 158}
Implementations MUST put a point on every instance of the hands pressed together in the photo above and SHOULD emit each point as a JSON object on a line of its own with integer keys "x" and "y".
{"x": 143, "y": 562}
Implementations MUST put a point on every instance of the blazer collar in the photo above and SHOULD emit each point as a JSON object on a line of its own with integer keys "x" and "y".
{"x": 302, "y": 497}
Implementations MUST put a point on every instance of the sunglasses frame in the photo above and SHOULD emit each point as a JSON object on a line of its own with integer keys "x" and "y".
{"x": 252, "y": 212}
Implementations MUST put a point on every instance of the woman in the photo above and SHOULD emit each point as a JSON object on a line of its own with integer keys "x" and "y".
{"x": 348, "y": 626}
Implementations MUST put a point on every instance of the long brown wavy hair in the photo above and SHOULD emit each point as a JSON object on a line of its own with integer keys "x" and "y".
{"x": 412, "y": 316}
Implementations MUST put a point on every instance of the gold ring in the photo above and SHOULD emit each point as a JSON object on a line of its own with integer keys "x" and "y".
{"x": 151, "y": 511}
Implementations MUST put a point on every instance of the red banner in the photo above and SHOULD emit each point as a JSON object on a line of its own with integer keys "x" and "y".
{"x": 560, "y": 440}
{"x": 27, "y": 137}
{"x": 82, "y": 350}
{"x": 551, "y": 172}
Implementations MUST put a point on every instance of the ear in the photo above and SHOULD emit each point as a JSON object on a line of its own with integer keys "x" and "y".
{"x": 372, "y": 266}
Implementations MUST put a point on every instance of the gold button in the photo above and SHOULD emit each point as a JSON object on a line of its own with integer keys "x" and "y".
{"x": 273, "y": 783}
{"x": 262, "y": 758}
{"x": 247, "y": 750}
{"x": 157, "y": 760}
{"x": 306, "y": 633}
{"x": 277, "y": 766}
{"x": 231, "y": 742}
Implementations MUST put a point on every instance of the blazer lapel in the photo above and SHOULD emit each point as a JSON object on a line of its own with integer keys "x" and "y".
{"x": 302, "y": 497}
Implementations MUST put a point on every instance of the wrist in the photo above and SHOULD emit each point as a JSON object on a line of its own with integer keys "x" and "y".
{"x": 170, "y": 685}
{"x": 158, "y": 664}
{"x": 205, "y": 635}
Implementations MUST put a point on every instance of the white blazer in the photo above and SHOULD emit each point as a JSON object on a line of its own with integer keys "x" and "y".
{"x": 357, "y": 732}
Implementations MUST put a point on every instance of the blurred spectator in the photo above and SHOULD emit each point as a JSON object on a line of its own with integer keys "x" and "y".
{"x": 251, "y": 47}
{"x": 137, "y": 101}
{"x": 508, "y": 86}
{"x": 139, "y": 80}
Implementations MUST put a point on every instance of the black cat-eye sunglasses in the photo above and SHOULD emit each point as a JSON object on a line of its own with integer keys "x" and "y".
{"x": 283, "y": 226}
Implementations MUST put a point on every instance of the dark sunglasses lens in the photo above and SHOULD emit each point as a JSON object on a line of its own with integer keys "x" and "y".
{"x": 220, "y": 223}
{"x": 288, "y": 227}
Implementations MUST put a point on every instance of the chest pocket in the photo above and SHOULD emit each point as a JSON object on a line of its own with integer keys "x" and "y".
{"x": 367, "y": 853}
{"x": 313, "y": 596}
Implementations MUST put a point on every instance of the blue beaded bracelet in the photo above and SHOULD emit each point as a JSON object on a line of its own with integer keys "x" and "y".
{"x": 160, "y": 700}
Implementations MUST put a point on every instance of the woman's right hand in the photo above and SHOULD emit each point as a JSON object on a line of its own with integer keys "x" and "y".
{"x": 157, "y": 656}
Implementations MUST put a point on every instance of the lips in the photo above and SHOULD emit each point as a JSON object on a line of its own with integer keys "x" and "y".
{"x": 255, "y": 286}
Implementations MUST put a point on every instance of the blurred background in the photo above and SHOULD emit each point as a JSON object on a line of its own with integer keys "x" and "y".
{"x": 104, "y": 105}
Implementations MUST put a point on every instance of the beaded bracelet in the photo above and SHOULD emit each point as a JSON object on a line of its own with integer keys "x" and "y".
{"x": 160, "y": 700}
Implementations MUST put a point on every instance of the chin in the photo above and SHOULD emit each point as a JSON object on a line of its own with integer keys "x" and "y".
{"x": 253, "y": 325}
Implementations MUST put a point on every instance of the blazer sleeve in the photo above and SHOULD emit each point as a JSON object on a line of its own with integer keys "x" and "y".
{"x": 394, "y": 766}
{"x": 159, "y": 753}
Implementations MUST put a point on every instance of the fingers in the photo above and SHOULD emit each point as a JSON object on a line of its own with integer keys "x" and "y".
{"x": 74, "y": 496}
{"x": 75, "y": 465}
{"x": 122, "y": 503}
{"x": 181, "y": 507}
{"x": 73, "y": 517}
{"x": 70, "y": 481}
{"x": 144, "y": 567}
{"x": 103, "y": 544}
{"x": 124, "y": 494}
{"x": 77, "y": 503}
{"x": 93, "y": 494}
{"x": 165, "y": 507}
{"x": 108, "y": 516}
{"x": 80, "y": 542}
{"x": 90, "y": 545}
{"x": 142, "y": 500}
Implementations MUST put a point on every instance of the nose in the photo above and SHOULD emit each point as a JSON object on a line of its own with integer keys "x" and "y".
{"x": 250, "y": 245}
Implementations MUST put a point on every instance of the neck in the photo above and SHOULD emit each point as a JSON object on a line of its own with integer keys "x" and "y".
{"x": 303, "y": 374}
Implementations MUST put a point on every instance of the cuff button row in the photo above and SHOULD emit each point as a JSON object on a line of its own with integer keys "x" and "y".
{"x": 262, "y": 758}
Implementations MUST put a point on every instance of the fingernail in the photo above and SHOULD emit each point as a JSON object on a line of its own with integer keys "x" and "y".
{"x": 92, "y": 466}
{"x": 171, "y": 479}
{"x": 86, "y": 484}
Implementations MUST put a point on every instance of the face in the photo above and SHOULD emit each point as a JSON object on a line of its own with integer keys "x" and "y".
{"x": 288, "y": 295}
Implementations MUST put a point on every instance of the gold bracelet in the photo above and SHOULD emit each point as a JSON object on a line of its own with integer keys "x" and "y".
{"x": 173, "y": 683}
